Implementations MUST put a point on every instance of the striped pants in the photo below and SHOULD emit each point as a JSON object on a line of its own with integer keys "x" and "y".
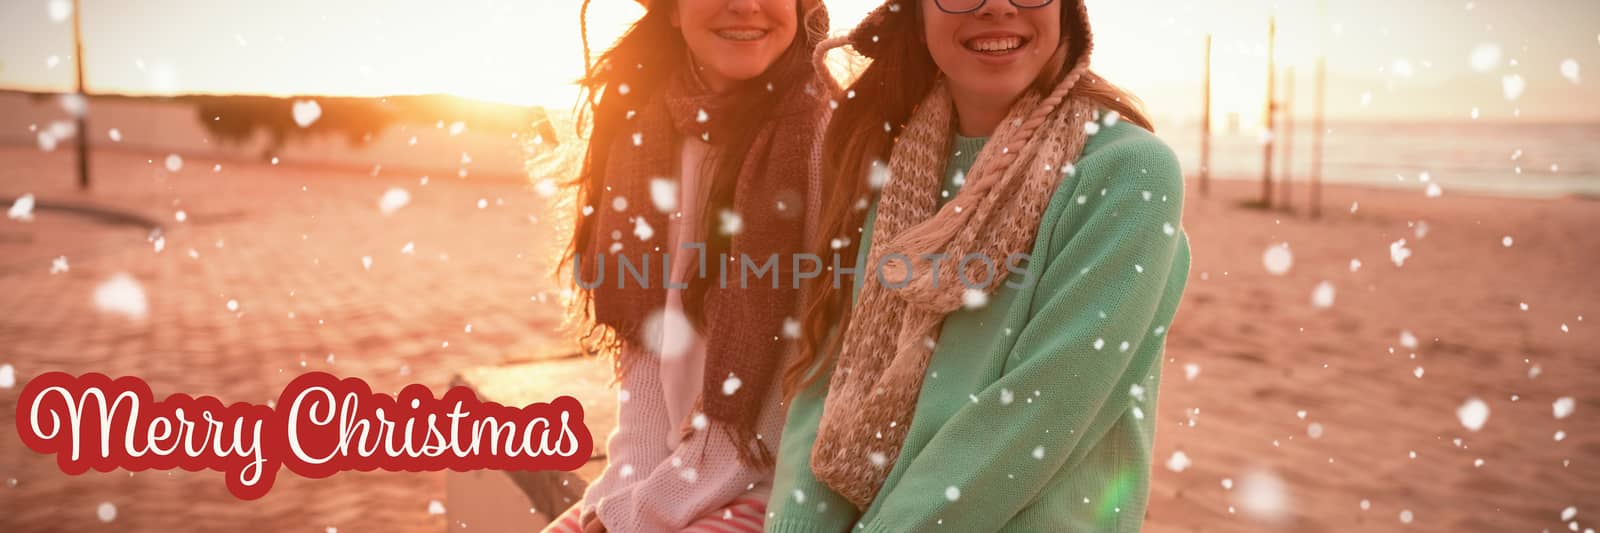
{"x": 744, "y": 515}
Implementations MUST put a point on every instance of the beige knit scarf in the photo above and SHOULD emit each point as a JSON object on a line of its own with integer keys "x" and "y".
{"x": 887, "y": 345}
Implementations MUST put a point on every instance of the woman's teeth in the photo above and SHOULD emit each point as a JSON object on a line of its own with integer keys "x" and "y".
{"x": 994, "y": 44}
{"x": 741, "y": 35}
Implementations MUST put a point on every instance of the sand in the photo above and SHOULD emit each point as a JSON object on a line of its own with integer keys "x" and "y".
{"x": 1327, "y": 403}
{"x": 1261, "y": 351}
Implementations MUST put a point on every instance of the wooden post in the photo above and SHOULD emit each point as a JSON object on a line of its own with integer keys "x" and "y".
{"x": 1288, "y": 139}
{"x": 83, "y": 118}
{"x": 1205, "y": 123}
{"x": 1317, "y": 126}
{"x": 1266, "y": 153}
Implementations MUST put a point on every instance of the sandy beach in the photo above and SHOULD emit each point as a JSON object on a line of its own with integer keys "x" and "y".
{"x": 1288, "y": 415}
{"x": 1329, "y": 404}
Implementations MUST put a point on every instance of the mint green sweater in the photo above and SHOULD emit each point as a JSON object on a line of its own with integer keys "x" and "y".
{"x": 1038, "y": 409}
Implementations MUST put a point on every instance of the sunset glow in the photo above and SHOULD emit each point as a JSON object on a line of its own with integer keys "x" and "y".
{"x": 1383, "y": 62}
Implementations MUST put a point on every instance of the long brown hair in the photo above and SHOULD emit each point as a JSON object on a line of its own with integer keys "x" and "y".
{"x": 861, "y": 134}
{"x": 621, "y": 82}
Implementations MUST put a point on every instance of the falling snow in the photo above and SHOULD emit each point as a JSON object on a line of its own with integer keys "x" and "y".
{"x": 393, "y": 199}
{"x": 1473, "y": 414}
{"x": 1485, "y": 57}
{"x": 122, "y": 295}
{"x": 306, "y": 112}
{"x": 1563, "y": 407}
{"x": 1278, "y": 259}
{"x": 22, "y": 209}
{"x": 664, "y": 194}
{"x": 1263, "y": 495}
{"x": 1178, "y": 462}
{"x": 1322, "y": 295}
{"x": 106, "y": 512}
{"x": 1399, "y": 253}
{"x": 1569, "y": 70}
{"x": 1512, "y": 86}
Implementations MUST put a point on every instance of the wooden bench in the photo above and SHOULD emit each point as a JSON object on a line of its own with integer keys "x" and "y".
{"x": 493, "y": 500}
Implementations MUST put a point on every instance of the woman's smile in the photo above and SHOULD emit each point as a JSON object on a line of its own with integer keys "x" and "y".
{"x": 996, "y": 47}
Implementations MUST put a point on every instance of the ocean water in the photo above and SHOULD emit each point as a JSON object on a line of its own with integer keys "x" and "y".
{"x": 1511, "y": 159}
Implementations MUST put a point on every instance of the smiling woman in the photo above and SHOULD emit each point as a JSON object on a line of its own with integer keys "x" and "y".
{"x": 710, "y": 110}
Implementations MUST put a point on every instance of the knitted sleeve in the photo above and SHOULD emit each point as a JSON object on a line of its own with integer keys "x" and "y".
{"x": 700, "y": 476}
{"x": 799, "y": 502}
{"x": 639, "y": 441}
{"x": 1101, "y": 304}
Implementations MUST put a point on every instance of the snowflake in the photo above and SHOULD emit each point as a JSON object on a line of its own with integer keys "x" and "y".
{"x": 106, "y": 512}
{"x": 1263, "y": 495}
{"x": 1322, "y": 296}
{"x": 1399, "y": 253}
{"x": 1278, "y": 259}
{"x": 22, "y": 209}
{"x": 60, "y": 11}
{"x": 1512, "y": 86}
{"x": 732, "y": 224}
{"x": 121, "y": 294}
{"x": 1563, "y": 407}
{"x": 878, "y": 175}
{"x": 1473, "y": 414}
{"x": 1408, "y": 340}
{"x": 1434, "y": 191}
{"x": 642, "y": 229}
{"x": 1485, "y": 57}
{"x": 393, "y": 199}
{"x": 664, "y": 194}
{"x": 1569, "y": 70}
{"x": 669, "y": 332}
{"x": 974, "y": 299}
{"x": 306, "y": 112}
{"x": 1178, "y": 462}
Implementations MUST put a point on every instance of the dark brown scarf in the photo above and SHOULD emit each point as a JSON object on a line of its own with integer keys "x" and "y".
{"x": 743, "y": 326}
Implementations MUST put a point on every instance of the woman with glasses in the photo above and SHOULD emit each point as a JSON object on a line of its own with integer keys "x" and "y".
{"x": 1014, "y": 231}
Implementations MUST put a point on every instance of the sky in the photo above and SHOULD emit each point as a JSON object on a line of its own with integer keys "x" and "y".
{"x": 1387, "y": 59}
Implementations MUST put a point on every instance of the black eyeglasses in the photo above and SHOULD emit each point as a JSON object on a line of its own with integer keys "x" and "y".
{"x": 957, "y": 7}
